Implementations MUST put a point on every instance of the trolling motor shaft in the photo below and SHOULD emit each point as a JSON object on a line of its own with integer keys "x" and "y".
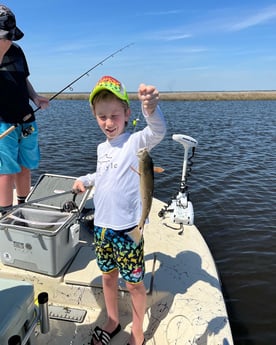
{"x": 187, "y": 142}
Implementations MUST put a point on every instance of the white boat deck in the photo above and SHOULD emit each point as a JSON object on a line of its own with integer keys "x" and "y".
{"x": 185, "y": 304}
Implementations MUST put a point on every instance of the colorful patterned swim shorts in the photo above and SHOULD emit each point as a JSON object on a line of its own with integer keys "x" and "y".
{"x": 116, "y": 250}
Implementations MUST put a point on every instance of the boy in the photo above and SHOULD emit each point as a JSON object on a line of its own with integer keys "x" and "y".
{"x": 117, "y": 199}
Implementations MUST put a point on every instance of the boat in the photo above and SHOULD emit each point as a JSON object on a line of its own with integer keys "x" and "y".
{"x": 185, "y": 303}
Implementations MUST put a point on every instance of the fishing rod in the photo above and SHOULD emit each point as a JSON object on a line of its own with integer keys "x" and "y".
{"x": 86, "y": 73}
{"x": 25, "y": 118}
{"x": 44, "y": 198}
{"x": 68, "y": 206}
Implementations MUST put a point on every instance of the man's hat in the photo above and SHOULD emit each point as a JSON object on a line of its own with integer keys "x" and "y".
{"x": 8, "y": 28}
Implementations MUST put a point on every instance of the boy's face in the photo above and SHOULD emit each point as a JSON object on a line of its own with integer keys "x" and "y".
{"x": 111, "y": 117}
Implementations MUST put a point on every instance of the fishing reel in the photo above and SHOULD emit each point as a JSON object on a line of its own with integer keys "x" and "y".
{"x": 180, "y": 207}
{"x": 70, "y": 205}
{"x": 27, "y": 131}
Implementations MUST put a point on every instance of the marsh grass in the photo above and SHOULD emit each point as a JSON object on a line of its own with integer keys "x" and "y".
{"x": 186, "y": 96}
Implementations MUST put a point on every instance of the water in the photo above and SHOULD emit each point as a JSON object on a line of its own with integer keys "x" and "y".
{"x": 232, "y": 186}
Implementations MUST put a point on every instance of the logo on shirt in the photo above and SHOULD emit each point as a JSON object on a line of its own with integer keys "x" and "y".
{"x": 105, "y": 163}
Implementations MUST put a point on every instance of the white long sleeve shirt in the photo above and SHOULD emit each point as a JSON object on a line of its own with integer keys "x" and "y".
{"x": 117, "y": 197}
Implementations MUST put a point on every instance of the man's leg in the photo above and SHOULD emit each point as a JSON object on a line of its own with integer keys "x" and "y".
{"x": 6, "y": 190}
{"x": 23, "y": 184}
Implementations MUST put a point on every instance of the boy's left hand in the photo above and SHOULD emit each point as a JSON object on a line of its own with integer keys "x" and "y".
{"x": 149, "y": 96}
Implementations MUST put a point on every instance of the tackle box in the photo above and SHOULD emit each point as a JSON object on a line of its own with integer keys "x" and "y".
{"x": 40, "y": 235}
{"x": 17, "y": 312}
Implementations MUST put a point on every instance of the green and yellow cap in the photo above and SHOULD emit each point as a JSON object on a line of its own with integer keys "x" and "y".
{"x": 111, "y": 84}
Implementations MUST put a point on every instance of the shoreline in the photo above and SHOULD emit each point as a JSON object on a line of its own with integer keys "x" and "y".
{"x": 182, "y": 96}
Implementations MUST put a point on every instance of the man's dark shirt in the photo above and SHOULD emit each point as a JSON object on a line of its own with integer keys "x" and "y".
{"x": 14, "y": 97}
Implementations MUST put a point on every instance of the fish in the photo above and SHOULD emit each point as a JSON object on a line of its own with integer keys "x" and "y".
{"x": 146, "y": 173}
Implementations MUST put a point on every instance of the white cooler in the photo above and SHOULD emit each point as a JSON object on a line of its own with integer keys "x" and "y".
{"x": 40, "y": 236}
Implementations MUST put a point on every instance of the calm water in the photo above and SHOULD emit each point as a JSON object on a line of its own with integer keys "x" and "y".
{"x": 232, "y": 187}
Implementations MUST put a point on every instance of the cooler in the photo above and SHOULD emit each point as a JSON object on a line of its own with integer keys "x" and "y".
{"x": 40, "y": 236}
{"x": 17, "y": 311}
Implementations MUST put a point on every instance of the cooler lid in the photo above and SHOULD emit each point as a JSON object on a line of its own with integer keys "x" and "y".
{"x": 56, "y": 186}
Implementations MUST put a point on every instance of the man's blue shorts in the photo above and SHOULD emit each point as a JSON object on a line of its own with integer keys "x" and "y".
{"x": 17, "y": 150}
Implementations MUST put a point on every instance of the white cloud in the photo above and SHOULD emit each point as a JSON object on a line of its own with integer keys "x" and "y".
{"x": 163, "y": 13}
{"x": 264, "y": 16}
{"x": 167, "y": 35}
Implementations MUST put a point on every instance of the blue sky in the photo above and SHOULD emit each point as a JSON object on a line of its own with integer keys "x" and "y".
{"x": 178, "y": 45}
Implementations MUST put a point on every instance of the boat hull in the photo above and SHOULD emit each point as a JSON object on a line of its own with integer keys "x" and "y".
{"x": 185, "y": 304}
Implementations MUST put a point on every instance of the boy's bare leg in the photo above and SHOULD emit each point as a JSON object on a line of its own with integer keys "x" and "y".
{"x": 138, "y": 298}
{"x": 110, "y": 288}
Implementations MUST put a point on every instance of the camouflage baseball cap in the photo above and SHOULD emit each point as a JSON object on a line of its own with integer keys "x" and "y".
{"x": 8, "y": 28}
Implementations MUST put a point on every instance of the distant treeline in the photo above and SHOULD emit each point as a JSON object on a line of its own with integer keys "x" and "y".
{"x": 185, "y": 96}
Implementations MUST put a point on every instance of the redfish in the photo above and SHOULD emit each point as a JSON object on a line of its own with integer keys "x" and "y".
{"x": 146, "y": 172}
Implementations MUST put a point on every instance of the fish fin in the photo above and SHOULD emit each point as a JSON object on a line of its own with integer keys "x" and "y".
{"x": 136, "y": 171}
{"x": 158, "y": 169}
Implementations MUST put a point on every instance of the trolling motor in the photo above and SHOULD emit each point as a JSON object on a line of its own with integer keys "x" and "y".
{"x": 180, "y": 207}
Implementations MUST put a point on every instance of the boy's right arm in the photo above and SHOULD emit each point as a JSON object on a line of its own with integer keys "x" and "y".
{"x": 78, "y": 186}
{"x": 84, "y": 181}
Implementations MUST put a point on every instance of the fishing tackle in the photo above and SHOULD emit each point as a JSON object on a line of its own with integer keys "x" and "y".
{"x": 27, "y": 131}
{"x": 30, "y": 202}
{"x": 10, "y": 129}
{"x": 71, "y": 205}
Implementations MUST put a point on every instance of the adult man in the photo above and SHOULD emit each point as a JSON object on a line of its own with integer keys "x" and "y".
{"x": 19, "y": 150}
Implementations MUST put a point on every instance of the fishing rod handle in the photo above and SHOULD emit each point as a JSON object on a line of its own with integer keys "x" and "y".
{"x": 12, "y": 128}
{"x": 8, "y": 131}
